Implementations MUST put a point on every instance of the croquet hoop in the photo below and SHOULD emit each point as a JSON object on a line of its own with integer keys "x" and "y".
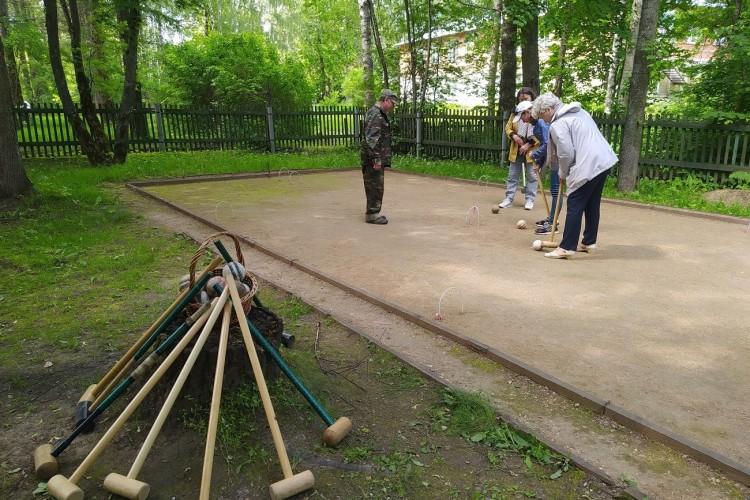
{"x": 250, "y": 280}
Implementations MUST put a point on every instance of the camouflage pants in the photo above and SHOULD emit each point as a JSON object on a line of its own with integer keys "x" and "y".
{"x": 374, "y": 187}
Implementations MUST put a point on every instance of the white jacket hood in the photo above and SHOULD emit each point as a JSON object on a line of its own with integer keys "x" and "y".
{"x": 572, "y": 107}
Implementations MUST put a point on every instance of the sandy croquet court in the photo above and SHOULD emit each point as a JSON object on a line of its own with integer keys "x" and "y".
{"x": 656, "y": 322}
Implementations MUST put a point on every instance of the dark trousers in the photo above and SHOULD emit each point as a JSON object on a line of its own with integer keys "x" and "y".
{"x": 554, "y": 189}
{"x": 374, "y": 186}
{"x": 584, "y": 201}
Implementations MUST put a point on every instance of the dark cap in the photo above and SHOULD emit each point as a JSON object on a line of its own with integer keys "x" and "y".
{"x": 388, "y": 94}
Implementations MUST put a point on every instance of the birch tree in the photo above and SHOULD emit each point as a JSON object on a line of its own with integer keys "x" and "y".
{"x": 636, "y": 103}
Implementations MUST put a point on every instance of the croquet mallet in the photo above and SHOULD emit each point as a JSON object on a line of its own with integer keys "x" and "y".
{"x": 337, "y": 429}
{"x": 129, "y": 486}
{"x": 292, "y": 483}
{"x": 63, "y": 488}
{"x": 139, "y": 349}
{"x": 541, "y": 187}
{"x": 45, "y": 456}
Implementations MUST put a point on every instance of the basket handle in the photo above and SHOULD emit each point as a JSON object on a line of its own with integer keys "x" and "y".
{"x": 202, "y": 249}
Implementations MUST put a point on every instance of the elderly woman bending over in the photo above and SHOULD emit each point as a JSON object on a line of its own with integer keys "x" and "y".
{"x": 584, "y": 157}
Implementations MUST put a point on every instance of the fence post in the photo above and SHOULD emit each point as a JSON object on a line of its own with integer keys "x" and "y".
{"x": 160, "y": 127}
{"x": 356, "y": 126}
{"x": 503, "y": 140}
{"x": 419, "y": 134}
{"x": 269, "y": 123}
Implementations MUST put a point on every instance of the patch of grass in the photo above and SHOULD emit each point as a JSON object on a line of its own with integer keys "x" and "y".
{"x": 461, "y": 169}
{"x": 471, "y": 416}
{"x": 393, "y": 373}
{"x": 684, "y": 192}
{"x": 461, "y": 413}
{"x": 357, "y": 454}
{"x": 236, "y": 431}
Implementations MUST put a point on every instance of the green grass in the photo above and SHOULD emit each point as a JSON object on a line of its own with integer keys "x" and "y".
{"x": 684, "y": 192}
{"x": 472, "y": 416}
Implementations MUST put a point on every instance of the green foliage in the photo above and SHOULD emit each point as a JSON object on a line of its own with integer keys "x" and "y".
{"x": 471, "y": 416}
{"x": 681, "y": 192}
{"x": 243, "y": 71}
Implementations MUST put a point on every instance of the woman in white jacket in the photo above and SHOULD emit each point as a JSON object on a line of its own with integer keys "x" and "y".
{"x": 584, "y": 157}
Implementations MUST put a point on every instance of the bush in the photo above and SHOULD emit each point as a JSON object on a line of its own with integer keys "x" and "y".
{"x": 240, "y": 71}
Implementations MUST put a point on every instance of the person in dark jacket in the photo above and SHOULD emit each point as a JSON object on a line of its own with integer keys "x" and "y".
{"x": 376, "y": 154}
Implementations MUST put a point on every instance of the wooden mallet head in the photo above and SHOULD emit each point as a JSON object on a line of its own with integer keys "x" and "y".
{"x": 336, "y": 432}
{"x": 126, "y": 487}
{"x": 302, "y": 481}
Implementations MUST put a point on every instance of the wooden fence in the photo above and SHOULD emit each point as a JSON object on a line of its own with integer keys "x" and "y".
{"x": 669, "y": 147}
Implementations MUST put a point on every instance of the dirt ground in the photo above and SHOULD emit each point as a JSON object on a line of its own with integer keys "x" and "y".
{"x": 413, "y": 456}
{"x": 652, "y": 322}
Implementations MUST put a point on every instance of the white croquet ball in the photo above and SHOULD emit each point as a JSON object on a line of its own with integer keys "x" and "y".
{"x": 521, "y": 224}
{"x": 216, "y": 280}
{"x": 537, "y": 245}
{"x": 184, "y": 282}
{"x": 237, "y": 270}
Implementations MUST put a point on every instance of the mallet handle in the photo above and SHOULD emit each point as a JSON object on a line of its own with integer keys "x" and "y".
{"x": 278, "y": 441}
{"x": 557, "y": 212}
{"x": 269, "y": 348}
{"x": 213, "y": 418}
{"x": 138, "y": 349}
{"x": 541, "y": 188}
{"x": 106, "y": 439}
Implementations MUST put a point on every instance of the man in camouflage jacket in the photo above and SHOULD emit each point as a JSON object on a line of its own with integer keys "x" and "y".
{"x": 376, "y": 154}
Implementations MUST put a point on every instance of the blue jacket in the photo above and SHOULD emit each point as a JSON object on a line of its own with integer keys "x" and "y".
{"x": 541, "y": 132}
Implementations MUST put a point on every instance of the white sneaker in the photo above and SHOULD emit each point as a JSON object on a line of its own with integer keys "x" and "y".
{"x": 587, "y": 248}
{"x": 529, "y": 205}
{"x": 559, "y": 253}
{"x": 505, "y": 203}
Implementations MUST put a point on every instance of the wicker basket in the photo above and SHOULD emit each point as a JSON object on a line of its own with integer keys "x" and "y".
{"x": 250, "y": 280}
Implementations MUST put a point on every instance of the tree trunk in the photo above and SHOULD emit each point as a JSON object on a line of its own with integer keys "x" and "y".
{"x": 364, "y": 24}
{"x": 508, "y": 67}
{"x": 530, "y": 52}
{"x": 379, "y": 44}
{"x": 559, "y": 80}
{"x": 325, "y": 87}
{"x": 609, "y": 98}
{"x": 95, "y": 43}
{"x": 426, "y": 67}
{"x": 13, "y": 180}
{"x": 10, "y": 57}
{"x": 737, "y": 12}
{"x": 631, "y": 135}
{"x": 95, "y": 155}
{"x": 494, "y": 57}
{"x": 627, "y": 65}
{"x": 98, "y": 139}
{"x": 129, "y": 18}
{"x": 412, "y": 54}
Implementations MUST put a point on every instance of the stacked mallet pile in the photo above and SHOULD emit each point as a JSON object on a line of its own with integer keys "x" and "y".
{"x": 226, "y": 292}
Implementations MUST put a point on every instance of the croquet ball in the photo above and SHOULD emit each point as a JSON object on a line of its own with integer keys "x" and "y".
{"x": 184, "y": 282}
{"x": 521, "y": 224}
{"x": 243, "y": 289}
{"x": 537, "y": 245}
{"x": 203, "y": 298}
{"x": 495, "y": 210}
{"x": 237, "y": 270}
{"x": 216, "y": 280}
